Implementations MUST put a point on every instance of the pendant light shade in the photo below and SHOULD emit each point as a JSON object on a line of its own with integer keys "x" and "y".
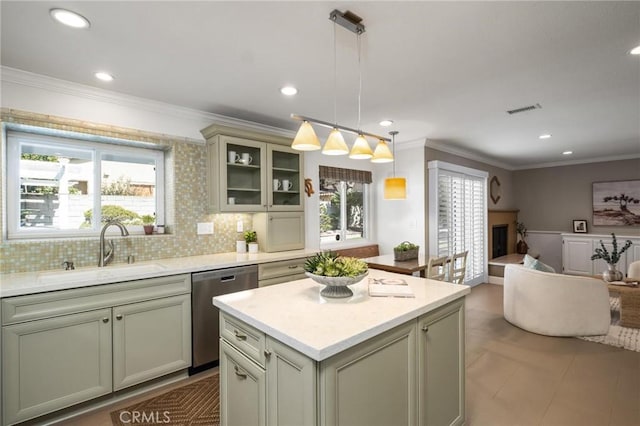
{"x": 306, "y": 139}
{"x": 382, "y": 154}
{"x": 360, "y": 149}
{"x": 395, "y": 188}
{"x": 335, "y": 144}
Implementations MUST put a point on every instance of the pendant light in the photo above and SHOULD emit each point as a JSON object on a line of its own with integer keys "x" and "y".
{"x": 306, "y": 139}
{"x": 395, "y": 188}
{"x": 360, "y": 149}
{"x": 335, "y": 144}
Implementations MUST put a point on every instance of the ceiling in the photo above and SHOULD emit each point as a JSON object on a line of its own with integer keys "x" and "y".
{"x": 444, "y": 71}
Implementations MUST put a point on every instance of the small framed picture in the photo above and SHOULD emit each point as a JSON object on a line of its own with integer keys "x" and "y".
{"x": 580, "y": 226}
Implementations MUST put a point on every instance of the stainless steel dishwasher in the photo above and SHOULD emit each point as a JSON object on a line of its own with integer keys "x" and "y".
{"x": 205, "y": 321}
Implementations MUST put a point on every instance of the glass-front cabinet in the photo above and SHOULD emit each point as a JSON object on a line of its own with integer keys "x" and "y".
{"x": 257, "y": 176}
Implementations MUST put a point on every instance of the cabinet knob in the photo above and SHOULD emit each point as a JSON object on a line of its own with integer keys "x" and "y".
{"x": 119, "y": 316}
{"x": 270, "y": 205}
{"x": 105, "y": 320}
{"x": 425, "y": 328}
{"x": 267, "y": 353}
{"x": 239, "y": 335}
{"x": 239, "y": 373}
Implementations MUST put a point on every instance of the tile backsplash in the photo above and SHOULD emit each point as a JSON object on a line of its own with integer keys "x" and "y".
{"x": 186, "y": 196}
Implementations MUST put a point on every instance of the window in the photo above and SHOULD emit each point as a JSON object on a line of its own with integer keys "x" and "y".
{"x": 457, "y": 216}
{"x": 66, "y": 187}
{"x": 344, "y": 212}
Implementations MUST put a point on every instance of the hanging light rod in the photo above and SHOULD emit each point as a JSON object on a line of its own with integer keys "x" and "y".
{"x": 347, "y": 20}
{"x": 337, "y": 126}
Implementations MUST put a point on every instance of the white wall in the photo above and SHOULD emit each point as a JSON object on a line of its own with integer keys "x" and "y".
{"x": 548, "y": 245}
{"x": 402, "y": 220}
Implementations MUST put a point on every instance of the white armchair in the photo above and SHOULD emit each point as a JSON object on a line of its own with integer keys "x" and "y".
{"x": 634, "y": 269}
{"x": 555, "y": 304}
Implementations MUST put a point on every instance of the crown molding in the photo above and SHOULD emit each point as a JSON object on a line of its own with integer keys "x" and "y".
{"x": 415, "y": 143}
{"x": 576, "y": 162}
{"x": 39, "y": 81}
{"x": 440, "y": 146}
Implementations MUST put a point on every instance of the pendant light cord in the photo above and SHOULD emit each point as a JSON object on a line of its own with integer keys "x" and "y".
{"x": 393, "y": 142}
{"x": 335, "y": 78}
{"x": 359, "y": 78}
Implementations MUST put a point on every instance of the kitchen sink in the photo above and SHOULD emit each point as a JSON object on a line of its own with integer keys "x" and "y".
{"x": 98, "y": 274}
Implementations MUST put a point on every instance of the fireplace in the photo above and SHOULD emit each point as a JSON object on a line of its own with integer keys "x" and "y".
{"x": 500, "y": 234}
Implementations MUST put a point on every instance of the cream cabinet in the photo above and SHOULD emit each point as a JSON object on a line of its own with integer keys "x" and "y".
{"x": 281, "y": 271}
{"x": 279, "y": 231}
{"x": 247, "y": 175}
{"x": 441, "y": 366}
{"x": 411, "y": 374}
{"x": 66, "y": 347}
{"x": 577, "y": 250}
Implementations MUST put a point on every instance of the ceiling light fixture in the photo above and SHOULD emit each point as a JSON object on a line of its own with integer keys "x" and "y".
{"x": 69, "y": 18}
{"x": 635, "y": 50}
{"x": 104, "y": 76}
{"x": 288, "y": 90}
{"x": 306, "y": 139}
{"x": 386, "y": 123}
{"x": 545, "y": 136}
{"x": 395, "y": 188}
{"x": 567, "y": 153}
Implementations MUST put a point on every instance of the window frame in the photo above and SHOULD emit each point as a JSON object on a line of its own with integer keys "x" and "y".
{"x": 366, "y": 227}
{"x": 99, "y": 147}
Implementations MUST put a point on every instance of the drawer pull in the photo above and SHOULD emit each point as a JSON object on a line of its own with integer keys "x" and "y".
{"x": 425, "y": 328}
{"x": 239, "y": 335}
{"x": 105, "y": 320}
{"x": 267, "y": 353}
{"x": 293, "y": 266}
{"x": 119, "y": 317}
{"x": 239, "y": 373}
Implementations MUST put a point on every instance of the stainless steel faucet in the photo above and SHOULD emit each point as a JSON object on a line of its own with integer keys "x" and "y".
{"x": 106, "y": 247}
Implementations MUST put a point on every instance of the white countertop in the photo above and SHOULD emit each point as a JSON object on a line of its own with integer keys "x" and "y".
{"x": 42, "y": 281}
{"x": 295, "y": 313}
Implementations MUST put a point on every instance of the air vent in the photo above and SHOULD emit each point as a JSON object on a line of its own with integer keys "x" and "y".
{"x": 523, "y": 109}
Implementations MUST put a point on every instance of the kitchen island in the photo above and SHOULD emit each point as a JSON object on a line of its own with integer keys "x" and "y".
{"x": 291, "y": 356}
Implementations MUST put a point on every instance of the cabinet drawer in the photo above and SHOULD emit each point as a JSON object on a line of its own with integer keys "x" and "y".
{"x": 56, "y": 303}
{"x": 280, "y": 280}
{"x": 279, "y": 269}
{"x": 247, "y": 339}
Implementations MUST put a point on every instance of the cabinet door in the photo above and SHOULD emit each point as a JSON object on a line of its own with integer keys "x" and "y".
{"x": 242, "y": 389}
{"x": 54, "y": 363}
{"x": 151, "y": 339}
{"x": 279, "y": 231}
{"x": 291, "y": 386}
{"x": 576, "y": 256}
{"x": 243, "y": 173}
{"x": 384, "y": 366}
{"x": 284, "y": 179}
{"x": 441, "y": 366}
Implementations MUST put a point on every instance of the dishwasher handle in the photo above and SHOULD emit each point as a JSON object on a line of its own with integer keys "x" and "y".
{"x": 227, "y": 278}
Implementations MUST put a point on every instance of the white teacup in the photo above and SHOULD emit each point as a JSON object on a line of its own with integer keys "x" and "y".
{"x": 233, "y": 157}
{"x": 246, "y": 158}
{"x": 231, "y": 200}
{"x": 286, "y": 185}
{"x": 276, "y": 184}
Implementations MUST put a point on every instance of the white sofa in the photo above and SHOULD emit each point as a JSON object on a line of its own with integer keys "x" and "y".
{"x": 555, "y": 304}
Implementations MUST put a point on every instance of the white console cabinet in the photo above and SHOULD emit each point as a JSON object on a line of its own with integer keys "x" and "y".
{"x": 577, "y": 250}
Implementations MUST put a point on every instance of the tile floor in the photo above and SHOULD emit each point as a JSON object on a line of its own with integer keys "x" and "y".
{"x": 519, "y": 378}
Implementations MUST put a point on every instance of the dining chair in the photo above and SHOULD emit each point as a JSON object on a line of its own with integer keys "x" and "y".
{"x": 437, "y": 268}
{"x": 458, "y": 267}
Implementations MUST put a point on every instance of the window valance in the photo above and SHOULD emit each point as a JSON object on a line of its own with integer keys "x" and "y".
{"x": 347, "y": 175}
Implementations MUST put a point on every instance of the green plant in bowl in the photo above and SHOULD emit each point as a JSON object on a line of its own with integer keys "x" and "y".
{"x": 406, "y": 246}
{"x": 335, "y": 272}
{"x": 250, "y": 237}
{"x": 148, "y": 219}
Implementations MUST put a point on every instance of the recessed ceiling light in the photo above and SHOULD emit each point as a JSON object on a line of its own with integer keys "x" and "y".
{"x": 545, "y": 136}
{"x": 288, "y": 90}
{"x": 567, "y": 153}
{"x": 69, "y": 18}
{"x": 104, "y": 76}
{"x": 635, "y": 50}
{"x": 386, "y": 123}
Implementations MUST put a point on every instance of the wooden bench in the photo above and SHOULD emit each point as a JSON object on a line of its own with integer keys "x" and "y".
{"x": 362, "y": 251}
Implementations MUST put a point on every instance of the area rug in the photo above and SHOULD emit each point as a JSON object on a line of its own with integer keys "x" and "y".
{"x": 197, "y": 403}
{"x": 621, "y": 337}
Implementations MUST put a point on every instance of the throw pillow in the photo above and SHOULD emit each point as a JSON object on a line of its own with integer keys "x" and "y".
{"x": 533, "y": 263}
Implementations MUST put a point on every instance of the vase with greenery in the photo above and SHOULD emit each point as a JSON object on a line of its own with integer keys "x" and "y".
{"x": 521, "y": 246}
{"x": 405, "y": 251}
{"x": 611, "y": 257}
{"x": 147, "y": 223}
{"x": 251, "y": 238}
{"x": 335, "y": 272}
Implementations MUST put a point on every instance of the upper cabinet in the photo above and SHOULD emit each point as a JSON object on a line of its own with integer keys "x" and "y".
{"x": 251, "y": 172}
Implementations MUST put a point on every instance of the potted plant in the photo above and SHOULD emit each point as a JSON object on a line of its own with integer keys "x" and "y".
{"x": 521, "y": 245}
{"x": 335, "y": 272}
{"x": 251, "y": 238}
{"x": 147, "y": 223}
{"x": 611, "y": 257}
{"x": 405, "y": 251}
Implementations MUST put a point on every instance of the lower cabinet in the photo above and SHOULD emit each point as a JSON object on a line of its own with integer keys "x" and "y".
{"x": 53, "y": 361}
{"x": 412, "y": 374}
{"x": 281, "y": 271}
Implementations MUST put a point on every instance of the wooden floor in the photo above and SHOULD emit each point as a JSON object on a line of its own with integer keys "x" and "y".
{"x": 519, "y": 378}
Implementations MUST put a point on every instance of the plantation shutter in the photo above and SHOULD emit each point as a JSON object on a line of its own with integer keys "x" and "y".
{"x": 457, "y": 216}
